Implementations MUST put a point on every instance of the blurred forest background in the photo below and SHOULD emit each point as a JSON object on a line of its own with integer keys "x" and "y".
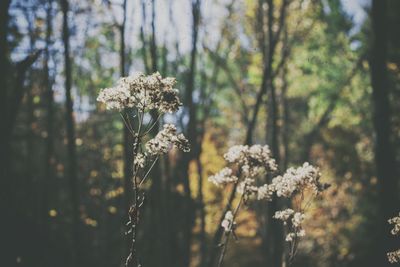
{"x": 318, "y": 81}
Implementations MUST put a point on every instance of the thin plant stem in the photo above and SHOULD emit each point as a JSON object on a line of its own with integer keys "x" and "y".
{"x": 128, "y": 126}
{"x": 221, "y": 258}
{"x": 134, "y": 210}
{"x": 227, "y": 235}
{"x": 148, "y": 172}
{"x": 152, "y": 125}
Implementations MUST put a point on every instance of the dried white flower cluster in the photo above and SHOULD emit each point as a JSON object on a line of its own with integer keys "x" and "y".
{"x": 140, "y": 160}
{"x": 166, "y": 139}
{"x": 394, "y": 256}
{"x": 143, "y": 92}
{"x": 396, "y": 227}
{"x": 284, "y": 215}
{"x": 224, "y": 176}
{"x": 140, "y": 95}
{"x": 293, "y": 220}
{"x": 265, "y": 192}
{"x": 252, "y": 162}
{"x": 296, "y": 179}
{"x": 228, "y": 222}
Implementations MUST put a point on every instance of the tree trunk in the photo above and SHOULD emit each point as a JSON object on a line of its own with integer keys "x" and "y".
{"x": 192, "y": 137}
{"x": 285, "y": 107}
{"x": 49, "y": 154}
{"x": 72, "y": 160}
{"x": 384, "y": 152}
{"x": 274, "y": 229}
{"x": 49, "y": 146}
{"x": 5, "y": 134}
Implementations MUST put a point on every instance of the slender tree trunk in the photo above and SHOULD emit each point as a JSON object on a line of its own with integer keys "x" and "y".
{"x": 157, "y": 231}
{"x": 72, "y": 160}
{"x": 159, "y": 209}
{"x": 202, "y": 239}
{"x": 153, "y": 43}
{"x": 128, "y": 139}
{"x": 274, "y": 229}
{"x": 199, "y": 164}
{"x": 285, "y": 108}
{"x": 192, "y": 136}
{"x": 49, "y": 147}
{"x": 384, "y": 151}
{"x": 5, "y": 134}
{"x": 49, "y": 158}
{"x": 143, "y": 38}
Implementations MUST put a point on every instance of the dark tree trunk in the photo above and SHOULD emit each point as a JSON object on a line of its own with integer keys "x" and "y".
{"x": 49, "y": 146}
{"x": 153, "y": 43}
{"x": 158, "y": 206}
{"x": 5, "y": 134}
{"x": 285, "y": 107}
{"x": 191, "y": 131}
{"x": 143, "y": 38}
{"x": 72, "y": 172}
{"x": 274, "y": 229}
{"x": 49, "y": 158}
{"x": 384, "y": 151}
{"x": 200, "y": 202}
{"x": 128, "y": 139}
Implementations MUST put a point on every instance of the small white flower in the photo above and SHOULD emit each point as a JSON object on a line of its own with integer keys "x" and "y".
{"x": 116, "y": 98}
{"x": 224, "y": 176}
{"x": 265, "y": 192}
{"x": 394, "y": 256}
{"x": 396, "y": 222}
{"x": 165, "y": 140}
{"x": 228, "y": 222}
{"x": 292, "y": 235}
{"x": 140, "y": 160}
{"x": 297, "y": 219}
{"x": 253, "y": 160}
{"x": 247, "y": 187}
{"x": 283, "y": 215}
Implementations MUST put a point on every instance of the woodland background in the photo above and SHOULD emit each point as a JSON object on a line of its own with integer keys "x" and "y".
{"x": 316, "y": 80}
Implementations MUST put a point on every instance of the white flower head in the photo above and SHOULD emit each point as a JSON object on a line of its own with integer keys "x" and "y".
{"x": 228, "y": 222}
{"x": 394, "y": 257}
{"x": 283, "y": 215}
{"x": 224, "y": 176}
{"x": 247, "y": 187}
{"x": 140, "y": 160}
{"x": 165, "y": 140}
{"x": 296, "y": 179}
{"x": 265, "y": 192}
{"x": 293, "y": 235}
{"x": 297, "y": 219}
{"x": 396, "y": 225}
{"x": 143, "y": 92}
{"x": 252, "y": 160}
{"x": 116, "y": 98}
